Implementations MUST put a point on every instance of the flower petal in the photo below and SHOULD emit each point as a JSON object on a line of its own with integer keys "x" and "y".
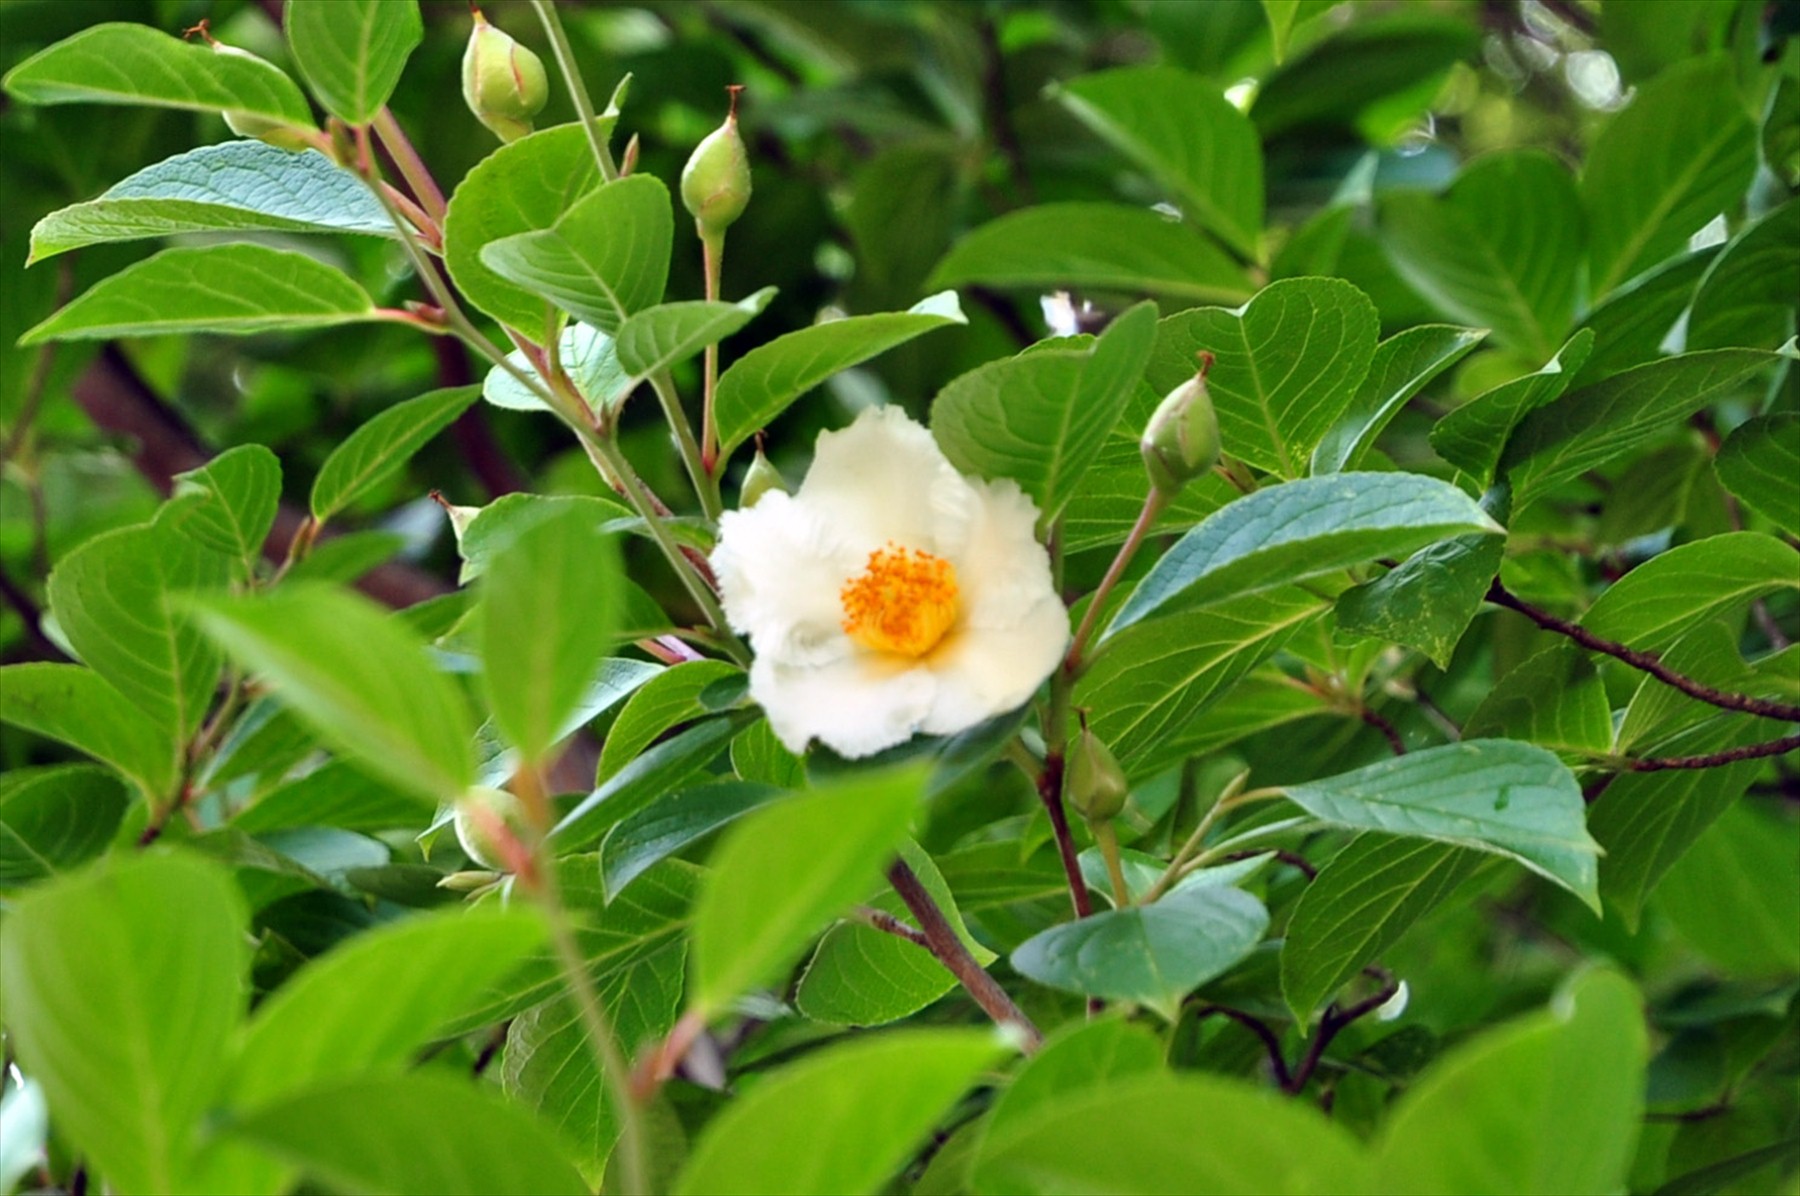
{"x": 855, "y": 705}
{"x": 988, "y": 671}
{"x": 780, "y": 567}
{"x": 1001, "y": 569}
{"x": 884, "y": 478}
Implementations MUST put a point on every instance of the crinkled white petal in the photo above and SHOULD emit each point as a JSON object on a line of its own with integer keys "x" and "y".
{"x": 884, "y": 479}
{"x": 855, "y": 705}
{"x": 1002, "y": 571}
{"x": 988, "y": 671}
{"x": 780, "y": 566}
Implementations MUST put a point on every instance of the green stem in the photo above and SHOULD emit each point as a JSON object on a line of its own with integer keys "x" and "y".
{"x": 705, "y": 485}
{"x": 412, "y": 167}
{"x": 584, "y": 107}
{"x": 712, "y": 247}
{"x": 1229, "y": 799}
{"x": 1108, "y": 842}
{"x": 1154, "y": 503}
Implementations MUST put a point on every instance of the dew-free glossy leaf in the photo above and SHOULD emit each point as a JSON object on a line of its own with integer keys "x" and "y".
{"x": 588, "y": 356}
{"x": 1474, "y": 435}
{"x": 1494, "y": 795}
{"x": 502, "y": 521}
{"x": 358, "y": 677}
{"x": 1296, "y": 530}
{"x": 1758, "y": 463}
{"x": 669, "y": 698}
{"x": 55, "y": 818}
{"x": 1735, "y": 895}
{"x": 658, "y": 337}
{"x": 1673, "y": 592}
{"x": 677, "y": 763}
{"x": 861, "y": 1107}
{"x": 1347, "y": 79}
{"x": 1747, "y": 297}
{"x": 231, "y": 289}
{"x": 1403, "y": 365}
{"x": 762, "y": 383}
{"x": 127, "y": 63}
{"x": 1633, "y": 324}
{"x": 132, "y": 972}
{"x": 351, "y": 52}
{"x": 336, "y": 794}
{"x": 382, "y": 445}
{"x": 1099, "y": 246}
{"x": 76, "y": 705}
{"x": 243, "y": 490}
{"x": 1555, "y": 700}
{"x": 659, "y": 830}
{"x": 1428, "y": 602}
{"x": 235, "y": 186}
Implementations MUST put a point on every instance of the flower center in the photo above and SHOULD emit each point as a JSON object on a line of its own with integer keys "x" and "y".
{"x": 902, "y": 602}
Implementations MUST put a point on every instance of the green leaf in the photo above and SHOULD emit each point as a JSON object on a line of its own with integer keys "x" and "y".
{"x": 364, "y": 1134}
{"x": 860, "y": 976}
{"x": 762, "y": 383}
{"x": 336, "y": 794}
{"x": 1287, "y": 365}
{"x": 861, "y": 1107}
{"x": 358, "y": 677}
{"x": 351, "y": 52}
{"x": 1499, "y": 249}
{"x": 1403, "y": 365}
{"x": 1379, "y": 73}
{"x": 131, "y": 972}
{"x": 1080, "y": 1058}
{"x": 1493, "y": 795}
{"x": 502, "y": 521}
{"x": 1430, "y": 600}
{"x": 1747, "y": 297}
{"x": 79, "y": 707}
{"x": 1735, "y": 895}
{"x": 1362, "y": 901}
{"x": 1555, "y": 700}
{"x": 1759, "y": 462}
{"x": 1290, "y": 532}
{"x": 1652, "y": 493}
{"x": 370, "y": 1004}
{"x": 231, "y": 289}
{"x": 659, "y": 830}
{"x": 1675, "y": 591}
{"x": 550, "y": 608}
{"x": 53, "y": 819}
{"x": 1042, "y": 418}
{"x": 1546, "y": 1104}
{"x": 1181, "y": 129}
{"x": 757, "y": 755}
{"x": 1620, "y": 415}
{"x": 125, "y": 63}
{"x": 1154, "y": 954}
{"x": 1683, "y": 152}
{"x": 782, "y": 874}
{"x": 674, "y": 764}
{"x": 1099, "y": 246}
{"x": 235, "y": 186}
{"x": 588, "y": 356}
{"x": 383, "y": 445}
{"x": 522, "y": 187}
{"x": 658, "y": 337}
{"x": 1720, "y": 1176}
{"x": 1632, "y": 325}
{"x": 112, "y": 596}
{"x": 604, "y": 260}
{"x": 1474, "y": 435}
{"x": 243, "y": 489}
{"x": 1137, "y": 1136}
{"x": 1708, "y": 654}
{"x": 1145, "y": 690}
{"x": 667, "y": 699}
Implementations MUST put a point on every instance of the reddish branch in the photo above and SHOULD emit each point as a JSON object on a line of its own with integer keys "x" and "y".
{"x": 1049, "y": 786}
{"x": 1754, "y": 751}
{"x": 941, "y": 940}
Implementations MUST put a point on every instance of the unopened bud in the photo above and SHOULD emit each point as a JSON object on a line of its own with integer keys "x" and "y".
{"x": 277, "y": 133}
{"x": 759, "y": 479}
{"x": 1096, "y": 783}
{"x": 503, "y": 82}
{"x": 489, "y": 825}
{"x": 460, "y": 517}
{"x": 1181, "y": 441}
{"x": 472, "y": 881}
{"x": 715, "y": 184}
{"x": 629, "y": 159}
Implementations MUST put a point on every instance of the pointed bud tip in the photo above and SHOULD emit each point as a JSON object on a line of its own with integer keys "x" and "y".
{"x": 715, "y": 183}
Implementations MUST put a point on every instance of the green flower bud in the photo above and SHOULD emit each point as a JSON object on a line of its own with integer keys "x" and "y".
{"x": 503, "y": 82}
{"x": 475, "y": 815}
{"x": 715, "y": 184}
{"x": 1181, "y": 441}
{"x": 759, "y": 479}
{"x": 1096, "y": 783}
{"x": 248, "y": 124}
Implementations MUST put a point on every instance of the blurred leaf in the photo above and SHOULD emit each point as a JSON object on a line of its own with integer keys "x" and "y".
{"x": 861, "y": 1107}
{"x": 54, "y": 819}
{"x": 1735, "y": 895}
{"x": 674, "y": 764}
{"x": 79, "y": 707}
{"x": 1493, "y": 795}
{"x": 1403, "y": 365}
{"x": 1100, "y": 246}
{"x": 658, "y": 337}
{"x": 1759, "y": 462}
{"x": 243, "y": 488}
{"x": 1634, "y": 322}
{"x": 1473, "y": 436}
{"x": 1081, "y": 1058}
{"x": 24, "y": 1132}
{"x": 1335, "y": 80}
{"x": 382, "y": 445}
{"x": 336, "y": 794}
{"x": 667, "y": 699}
{"x": 236, "y": 186}
{"x": 1747, "y": 297}
{"x": 1675, "y": 591}
{"x": 1555, "y": 700}
{"x": 351, "y": 52}
{"x": 230, "y": 289}
{"x": 1652, "y": 494}
{"x": 359, "y": 677}
{"x": 508, "y": 517}
{"x": 660, "y": 829}
{"x": 131, "y": 971}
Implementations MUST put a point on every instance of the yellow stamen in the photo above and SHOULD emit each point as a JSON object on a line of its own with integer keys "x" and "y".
{"x": 902, "y": 602}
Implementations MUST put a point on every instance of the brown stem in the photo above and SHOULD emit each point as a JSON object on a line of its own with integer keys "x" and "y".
{"x": 941, "y": 939}
{"x": 1261, "y": 1029}
{"x": 1386, "y": 728}
{"x": 887, "y": 923}
{"x": 1334, "y": 1020}
{"x": 1754, "y": 751}
{"x": 1647, "y": 662}
{"x": 1050, "y": 793}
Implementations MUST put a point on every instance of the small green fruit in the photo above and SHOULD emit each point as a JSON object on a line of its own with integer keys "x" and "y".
{"x": 1096, "y": 784}
{"x": 503, "y": 82}
{"x": 715, "y": 184}
{"x": 1181, "y": 441}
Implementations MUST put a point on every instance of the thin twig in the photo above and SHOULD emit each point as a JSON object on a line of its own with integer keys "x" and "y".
{"x": 1154, "y": 502}
{"x": 1258, "y": 1027}
{"x": 941, "y": 939}
{"x": 1754, "y": 751}
{"x": 1333, "y": 1022}
{"x": 412, "y": 167}
{"x": 1049, "y": 788}
{"x": 881, "y": 920}
{"x": 1386, "y": 728}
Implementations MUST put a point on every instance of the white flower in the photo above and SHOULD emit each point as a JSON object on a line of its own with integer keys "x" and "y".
{"x": 891, "y": 595}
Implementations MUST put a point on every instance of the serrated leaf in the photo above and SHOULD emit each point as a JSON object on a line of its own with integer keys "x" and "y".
{"x": 1473, "y": 436}
{"x": 522, "y": 187}
{"x": 658, "y": 337}
{"x": 605, "y": 259}
{"x": 351, "y": 52}
{"x": 1555, "y": 700}
{"x": 126, "y": 63}
{"x": 783, "y": 873}
{"x": 1673, "y": 592}
{"x": 1042, "y": 418}
{"x": 231, "y": 289}
{"x": 243, "y": 490}
{"x": 1182, "y": 130}
{"x": 762, "y": 383}
{"x": 1154, "y": 954}
{"x": 1286, "y": 366}
{"x": 1403, "y": 365}
{"x": 133, "y": 971}
{"x": 1362, "y": 901}
{"x": 1683, "y": 152}
{"x": 78, "y": 707}
{"x": 358, "y": 677}
{"x": 1296, "y": 530}
{"x": 1758, "y": 463}
{"x": 382, "y": 445}
{"x": 235, "y": 186}
{"x": 1099, "y": 246}
{"x": 1493, "y": 795}
{"x": 669, "y": 698}
{"x": 54, "y": 819}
